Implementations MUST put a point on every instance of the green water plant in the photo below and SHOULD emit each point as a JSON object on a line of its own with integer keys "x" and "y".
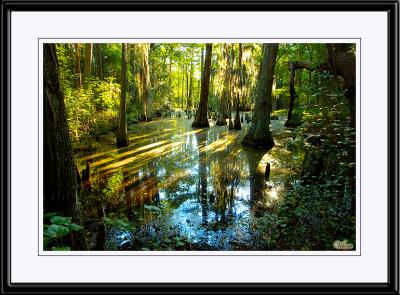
{"x": 56, "y": 230}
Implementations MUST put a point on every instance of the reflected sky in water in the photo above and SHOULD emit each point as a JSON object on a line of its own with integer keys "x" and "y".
{"x": 208, "y": 184}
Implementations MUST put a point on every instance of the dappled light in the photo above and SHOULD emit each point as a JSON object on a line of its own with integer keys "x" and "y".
{"x": 171, "y": 169}
{"x": 192, "y": 147}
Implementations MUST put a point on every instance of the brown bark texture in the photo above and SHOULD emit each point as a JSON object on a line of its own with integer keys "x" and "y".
{"x": 60, "y": 187}
{"x": 225, "y": 93}
{"x": 259, "y": 135}
{"x": 201, "y": 119}
{"x": 237, "y": 125}
{"x": 341, "y": 61}
{"x": 87, "y": 72}
{"x": 122, "y": 138}
{"x": 99, "y": 61}
{"x": 78, "y": 72}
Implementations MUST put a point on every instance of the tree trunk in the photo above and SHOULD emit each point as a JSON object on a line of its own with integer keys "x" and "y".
{"x": 146, "y": 80}
{"x": 78, "y": 72}
{"x": 201, "y": 142}
{"x": 257, "y": 180}
{"x": 225, "y": 93}
{"x": 341, "y": 62}
{"x": 299, "y": 78}
{"x": 122, "y": 138}
{"x": 60, "y": 187}
{"x": 259, "y": 135}
{"x": 191, "y": 87}
{"x": 292, "y": 97}
{"x": 88, "y": 63}
{"x": 201, "y": 119}
{"x": 202, "y": 64}
{"x": 237, "y": 125}
{"x": 170, "y": 72}
{"x": 183, "y": 85}
{"x": 230, "y": 123}
{"x": 133, "y": 64}
{"x": 99, "y": 61}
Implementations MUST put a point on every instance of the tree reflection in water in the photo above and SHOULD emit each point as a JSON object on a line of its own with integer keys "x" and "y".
{"x": 201, "y": 138}
{"x": 205, "y": 184}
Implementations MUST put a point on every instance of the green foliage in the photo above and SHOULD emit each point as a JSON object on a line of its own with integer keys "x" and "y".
{"x": 65, "y": 248}
{"x": 166, "y": 242}
{"x": 56, "y": 231}
{"x": 315, "y": 213}
{"x": 112, "y": 59}
{"x": 105, "y": 191}
{"x": 310, "y": 217}
{"x": 113, "y": 186}
{"x": 161, "y": 109}
{"x": 278, "y": 113}
{"x": 92, "y": 111}
{"x": 60, "y": 220}
{"x": 152, "y": 209}
{"x": 134, "y": 113}
{"x": 120, "y": 223}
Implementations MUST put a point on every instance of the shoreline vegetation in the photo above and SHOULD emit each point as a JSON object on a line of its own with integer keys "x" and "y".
{"x": 191, "y": 147}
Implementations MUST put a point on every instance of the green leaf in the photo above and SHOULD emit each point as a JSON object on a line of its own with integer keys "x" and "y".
{"x": 56, "y": 231}
{"x": 60, "y": 220}
{"x": 48, "y": 215}
{"x": 74, "y": 226}
{"x": 122, "y": 224}
{"x": 65, "y": 248}
{"x": 153, "y": 209}
{"x": 145, "y": 249}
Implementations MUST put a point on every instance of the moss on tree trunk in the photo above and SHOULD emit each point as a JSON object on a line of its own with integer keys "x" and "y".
{"x": 201, "y": 119}
{"x": 60, "y": 187}
{"x": 122, "y": 136}
{"x": 259, "y": 135}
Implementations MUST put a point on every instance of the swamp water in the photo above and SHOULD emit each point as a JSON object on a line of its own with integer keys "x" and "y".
{"x": 179, "y": 188}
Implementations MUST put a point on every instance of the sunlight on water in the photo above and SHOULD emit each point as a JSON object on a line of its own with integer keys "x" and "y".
{"x": 207, "y": 183}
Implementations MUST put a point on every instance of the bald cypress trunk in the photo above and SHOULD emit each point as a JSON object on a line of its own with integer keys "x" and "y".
{"x": 259, "y": 135}
{"x": 122, "y": 138}
{"x": 201, "y": 119}
{"x": 99, "y": 61}
{"x": 225, "y": 97}
{"x": 60, "y": 187}
{"x": 293, "y": 95}
{"x": 145, "y": 79}
{"x": 341, "y": 61}
{"x": 88, "y": 63}
{"x": 78, "y": 73}
{"x": 237, "y": 125}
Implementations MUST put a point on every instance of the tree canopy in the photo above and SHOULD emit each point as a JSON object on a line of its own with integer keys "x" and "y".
{"x": 199, "y": 146}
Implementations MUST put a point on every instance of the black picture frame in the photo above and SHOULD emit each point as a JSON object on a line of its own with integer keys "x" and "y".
{"x": 392, "y": 284}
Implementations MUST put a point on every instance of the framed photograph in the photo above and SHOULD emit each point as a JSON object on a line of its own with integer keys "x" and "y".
{"x": 200, "y": 146}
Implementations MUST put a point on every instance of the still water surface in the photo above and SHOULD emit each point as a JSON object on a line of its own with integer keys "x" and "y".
{"x": 198, "y": 184}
